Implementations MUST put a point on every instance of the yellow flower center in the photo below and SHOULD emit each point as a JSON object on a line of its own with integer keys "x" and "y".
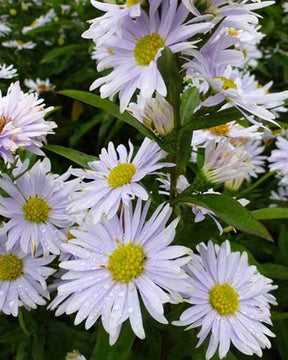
{"x": 20, "y": 42}
{"x": 126, "y": 263}
{"x": 36, "y": 210}
{"x": 10, "y": 267}
{"x": 147, "y": 48}
{"x": 224, "y": 299}
{"x": 220, "y": 130}
{"x": 132, "y": 2}
{"x": 227, "y": 83}
{"x": 233, "y": 32}
{"x": 121, "y": 175}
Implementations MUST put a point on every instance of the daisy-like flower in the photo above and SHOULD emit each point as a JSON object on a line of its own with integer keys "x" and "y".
{"x": 231, "y": 301}
{"x": 4, "y": 29}
{"x": 74, "y": 355}
{"x": 157, "y": 114}
{"x": 133, "y": 57}
{"x": 41, "y": 21}
{"x": 22, "y": 279}
{"x": 232, "y": 87}
{"x": 279, "y": 160}
{"x": 22, "y": 122}
{"x": 280, "y": 195}
{"x": 37, "y": 208}
{"x": 19, "y": 44}
{"x": 7, "y": 72}
{"x": 223, "y": 163}
{"x": 115, "y": 178}
{"x": 118, "y": 260}
{"x": 39, "y": 86}
{"x": 231, "y": 130}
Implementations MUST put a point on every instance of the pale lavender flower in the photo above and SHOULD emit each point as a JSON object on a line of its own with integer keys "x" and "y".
{"x": 120, "y": 259}
{"x": 115, "y": 178}
{"x": 279, "y": 160}
{"x": 231, "y": 301}
{"x": 22, "y": 279}
{"x": 37, "y": 208}
{"x": 7, "y": 71}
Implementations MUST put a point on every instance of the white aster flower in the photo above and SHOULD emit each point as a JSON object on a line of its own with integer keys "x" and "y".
{"x": 118, "y": 260}
{"x": 37, "y": 208}
{"x": 19, "y": 44}
{"x": 285, "y": 7}
{"x": 41, "y": 21}
{"x": 279, "y": 160}
{"x": 74, "y": 355}
{"x": 22, "y": 280}
{"x": 4, "y": 29}
{"x": 231, "y": 301}
{"x": 231, "y": 130}
{"x": 39, "y": 86}
{"x": 224, "y": 162}
{"x": 7, "y": 72}
{"x": 157, "y": 114}
{"x": 115, "y": 178}
{"x": 256, "y": 161}
{"x": 22, "y": 122}
{"x": 134, "y": 56}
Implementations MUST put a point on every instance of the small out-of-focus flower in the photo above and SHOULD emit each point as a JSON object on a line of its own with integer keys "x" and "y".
{"x": 4, "y": 29}
{"x": 74, "y": 355}
{"x": 7, "y": 72}
{"x": 39, "y": 86}
{"x": 279, "y": 160}
{"x": 157, "y": 114}
{"x": 41, "y": 21}
{"x": 19, "y": 44}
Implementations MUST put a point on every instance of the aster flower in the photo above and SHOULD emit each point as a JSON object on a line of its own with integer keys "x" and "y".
{"x": 134, "y": 56}
{"x": 37, "y": 208}
{"x": 22, "y": 280}
{"x": 232, "y": 87}
{"x": 22, "y": 122}
{"x": 19, "y": 44}
{"x": 223, "y": 163}
{"x": 231, "y": 301}
{"x": 115, "y": 178}
{"x": 157, "y": 114}
{"x": 7, "y": 72}
{"x": 41, "y": 21}
{"x": 279, "y": 160}
{"x": 118, "y": 260}
{"x": 4, "y": 29}
{"x": 231, "y": 130}
{"x": 280, "y": 195}
{"x": 39, "y": 86}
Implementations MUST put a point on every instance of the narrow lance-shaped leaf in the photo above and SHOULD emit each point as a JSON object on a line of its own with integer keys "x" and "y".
{"x": 71, "y": 154}
{"x": 271, "y": 213}
{"x": 230, "y": 211}
{"x": 113, "y": 109}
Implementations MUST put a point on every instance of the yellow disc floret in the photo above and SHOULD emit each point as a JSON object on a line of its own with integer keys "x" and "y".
{"x": 121, "y": 175}
{"x": 126, "y": 263}
{"x": 227, "y": 83}
{"x": 147, "y": 48}
{"x": 220, "y": 130}
{"x": 10, "y": 267}
{"x": 36, "y": 210}
{"x": 132, "y": 2}
{"x": 224, "y": 299}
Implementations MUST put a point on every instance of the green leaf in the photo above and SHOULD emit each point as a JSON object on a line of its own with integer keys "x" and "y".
{"x": 283, "y": 244}
{"x": 189, "y": 101}
{"x": 211, "y": 120}
{"x": 85, "y": 127}
{"x": 279, "y": 315}
{"x": 71, "y": 154}
{"x": 113, "y": 109}
{"x": 274, "y": 271}
{"x": 271, "y": 213}
{"x": 230, "y": 211}
{"x": 119, "y": 351}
